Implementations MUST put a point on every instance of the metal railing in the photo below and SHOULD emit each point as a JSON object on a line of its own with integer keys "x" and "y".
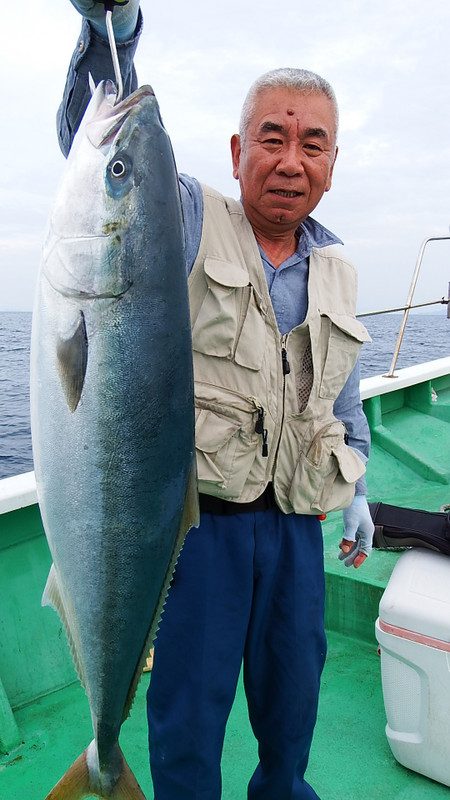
{"x": 409, "y": 304}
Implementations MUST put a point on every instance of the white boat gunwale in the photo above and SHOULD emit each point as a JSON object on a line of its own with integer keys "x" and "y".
{"x": 19, "y": 491}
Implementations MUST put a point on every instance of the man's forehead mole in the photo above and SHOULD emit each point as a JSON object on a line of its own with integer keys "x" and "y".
{"x": 290, "y": 112}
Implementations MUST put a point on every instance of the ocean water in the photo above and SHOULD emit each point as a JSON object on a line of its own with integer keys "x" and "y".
{"x": 427, "y": 337}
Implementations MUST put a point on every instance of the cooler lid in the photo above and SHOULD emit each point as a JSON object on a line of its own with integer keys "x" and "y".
{"x": 417, "y": 597}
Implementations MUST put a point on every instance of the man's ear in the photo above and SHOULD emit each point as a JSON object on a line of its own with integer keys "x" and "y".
{"x": 235, "y": 154}
{"x": 330, "y": 179}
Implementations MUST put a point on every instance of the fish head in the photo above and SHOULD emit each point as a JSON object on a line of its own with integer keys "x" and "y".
{"x": 102, "y": 197}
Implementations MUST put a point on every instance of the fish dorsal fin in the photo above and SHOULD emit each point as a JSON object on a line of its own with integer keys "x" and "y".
{"x": 191, "y": 510}
{"x": 72, "y": 355}
{"x": 190, "y": 518}
{"x": 53, "y": 596}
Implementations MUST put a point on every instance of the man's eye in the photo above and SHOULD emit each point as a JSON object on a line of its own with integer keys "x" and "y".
{"x": 273, "y": 141}
{"x": 313, "y": 148}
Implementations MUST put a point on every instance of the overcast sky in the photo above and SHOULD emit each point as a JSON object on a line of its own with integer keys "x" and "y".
{"x": 389, "y": 63}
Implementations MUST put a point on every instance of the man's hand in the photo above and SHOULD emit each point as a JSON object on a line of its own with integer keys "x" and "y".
{"x": 124, "y": 17}
{"x": 358, "y": 533}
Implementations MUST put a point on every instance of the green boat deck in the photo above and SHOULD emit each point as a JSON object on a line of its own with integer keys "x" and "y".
{"x": 44, "y": 715}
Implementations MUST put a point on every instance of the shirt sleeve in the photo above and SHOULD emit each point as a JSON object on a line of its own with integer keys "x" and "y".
{"x": 192, "y": 203}
{"x": 92, "y": 55}
{"x": 348, "y": 408}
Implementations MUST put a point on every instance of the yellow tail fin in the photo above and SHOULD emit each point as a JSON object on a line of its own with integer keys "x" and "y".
{"x": 77, "y": 784}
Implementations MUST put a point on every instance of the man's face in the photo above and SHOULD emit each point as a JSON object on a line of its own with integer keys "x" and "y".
{"x": 285, "y": 163}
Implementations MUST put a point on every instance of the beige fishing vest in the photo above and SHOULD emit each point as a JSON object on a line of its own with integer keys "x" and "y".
{"x": 256, "y": 421}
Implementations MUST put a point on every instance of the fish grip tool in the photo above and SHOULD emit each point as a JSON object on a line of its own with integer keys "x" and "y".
{"x": 109, "y": 7}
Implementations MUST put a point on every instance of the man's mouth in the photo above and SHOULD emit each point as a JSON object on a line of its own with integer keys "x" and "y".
{"x": 284, "y": 193}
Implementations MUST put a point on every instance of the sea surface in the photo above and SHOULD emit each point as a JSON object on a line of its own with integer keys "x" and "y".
{"x": 427, "y": 337}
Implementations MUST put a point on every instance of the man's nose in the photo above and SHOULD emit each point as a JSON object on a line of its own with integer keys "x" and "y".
{"x": 290, "y": 162}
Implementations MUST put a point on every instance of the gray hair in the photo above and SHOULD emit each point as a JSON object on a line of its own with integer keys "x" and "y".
{"x": 302, "y": 80}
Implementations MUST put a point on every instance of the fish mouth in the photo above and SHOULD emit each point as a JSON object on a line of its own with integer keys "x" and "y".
{"x": 135, "y": 97}
{"x": 109, "y": 118}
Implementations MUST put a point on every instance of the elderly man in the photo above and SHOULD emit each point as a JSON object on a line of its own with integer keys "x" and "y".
{"x": 280, "y": 434}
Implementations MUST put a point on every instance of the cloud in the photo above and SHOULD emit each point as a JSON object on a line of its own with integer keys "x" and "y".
{"x": 388, "y": 62}
{"x": 20, "y": 244}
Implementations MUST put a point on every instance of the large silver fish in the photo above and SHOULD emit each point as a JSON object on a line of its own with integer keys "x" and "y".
{"x": 112, "y": 412}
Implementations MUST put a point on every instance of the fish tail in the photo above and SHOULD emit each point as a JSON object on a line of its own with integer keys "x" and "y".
{"x": 74, "y": 784}
{"x": 78, "y": 783}
{"x": 127, "y": 787}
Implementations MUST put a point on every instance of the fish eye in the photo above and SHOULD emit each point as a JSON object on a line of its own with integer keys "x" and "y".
{"x": 118, "y": 168}
{"x": 119, "y": 174}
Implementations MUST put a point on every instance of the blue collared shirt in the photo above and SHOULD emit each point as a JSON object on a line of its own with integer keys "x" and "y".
{"x": 288, "y": 283}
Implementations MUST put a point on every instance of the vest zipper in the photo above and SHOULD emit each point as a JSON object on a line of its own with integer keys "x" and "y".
{"x": 259, "y": 428}
{"x": 259, "y": 425}
{"x": 285, "y": 362}
{"x": 285, "y": 370}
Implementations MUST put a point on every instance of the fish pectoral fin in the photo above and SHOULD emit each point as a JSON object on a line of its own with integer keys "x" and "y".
{"x": 72, "y": 355}
{"x": 53, "y": 596}
{"x": 78, "y": 782}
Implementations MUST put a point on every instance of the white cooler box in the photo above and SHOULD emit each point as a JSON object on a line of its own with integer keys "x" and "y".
{"x": 413, "y": 631}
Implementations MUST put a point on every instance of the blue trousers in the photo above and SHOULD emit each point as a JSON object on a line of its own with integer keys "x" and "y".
{"x": 248, "y": 587}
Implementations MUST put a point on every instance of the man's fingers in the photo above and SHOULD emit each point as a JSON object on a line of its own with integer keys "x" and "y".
{"x": 345, "y": 546}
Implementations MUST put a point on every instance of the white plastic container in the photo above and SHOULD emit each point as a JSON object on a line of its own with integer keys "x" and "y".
{"x": 413, "y": 630}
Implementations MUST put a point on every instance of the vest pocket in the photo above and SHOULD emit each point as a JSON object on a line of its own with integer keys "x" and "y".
{"x": 226, "y": 445}
{"x": 345, "y": 337}
{"x": 325, "y": 476}
{"x": 229, "y": 323}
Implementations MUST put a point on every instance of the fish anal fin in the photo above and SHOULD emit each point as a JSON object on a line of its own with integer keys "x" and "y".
{"x": 72, "y": 355}
{"x": 74, "y": 784}
{"x": 53, "y": 596}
